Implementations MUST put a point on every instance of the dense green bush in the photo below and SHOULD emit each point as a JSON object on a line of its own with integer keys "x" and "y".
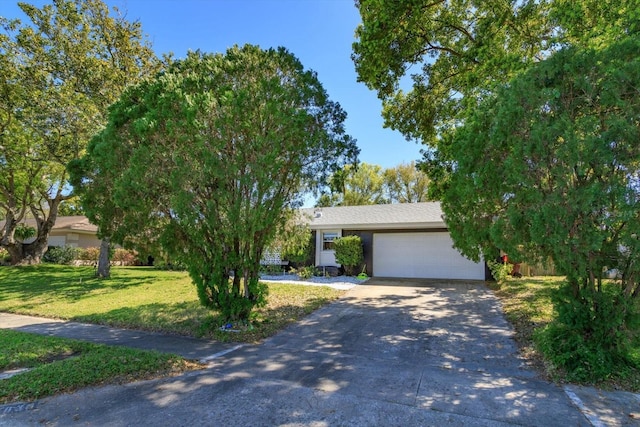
{"x": 61, "y": 255}
{"x": 349, "y": 253}
{"x": 271, "y": 269}
{"x": 592, "y": 336}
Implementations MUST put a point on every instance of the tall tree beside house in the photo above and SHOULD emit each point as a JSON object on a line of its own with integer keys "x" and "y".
{"x": 59, "y": 73}
{"x": 529, "y": 113}
{"x": 210, "y": 156}
{"x": 293, "y": 239}
{"x": 560, "y": 179}
{"x": 454, "y": 52}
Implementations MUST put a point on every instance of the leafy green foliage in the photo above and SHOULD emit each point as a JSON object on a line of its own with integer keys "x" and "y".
{"x": 63, "y": 255}
{"x": 369, "y": 184}
{"x": 529, "y": 110}
{"x": 550, "y": 169}
{"x": 61, "y": 365}
{"x": 89, "y": 254}
{"x": 70, "y": 207}
{"x": 349, "y": 253}
{"x": 499, "y": 270}
{"x": 23, "y": 232}
{"x": 147, "y": 299}
{"x": 60, "y": 72}
{"x": 306, "y": 272}
{"x": 4, "y": 256}
{"x": 125, "y": 256}
{"x": 406, "y": 183}
{"x": 459, "y": 50}
{"x": 236, "y": 136}
{"x": 590, "y": 337}
{"x": 356, "y": 186}
{"x": 293, "y": 241}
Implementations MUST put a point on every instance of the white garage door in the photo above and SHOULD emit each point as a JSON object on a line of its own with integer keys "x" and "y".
{"x": 421, "y": 255}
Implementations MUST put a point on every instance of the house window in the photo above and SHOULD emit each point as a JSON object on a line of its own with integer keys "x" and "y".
{"x": 327, "y": 240}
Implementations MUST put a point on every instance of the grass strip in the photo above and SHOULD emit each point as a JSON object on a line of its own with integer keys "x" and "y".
{"x": 59, "y": 365}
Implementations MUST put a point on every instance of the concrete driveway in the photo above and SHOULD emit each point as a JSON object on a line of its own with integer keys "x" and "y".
{"x": 401, "y": 353}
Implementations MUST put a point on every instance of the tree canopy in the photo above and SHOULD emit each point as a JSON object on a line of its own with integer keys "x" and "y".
{"x": 209, "y": 156}
{"x": 529, "y": 111}
{"x": 549, "y": 168}
{"x": 59, "y": 73}
{"x": 367, "y": 184}
{"x": 433, "y": 62}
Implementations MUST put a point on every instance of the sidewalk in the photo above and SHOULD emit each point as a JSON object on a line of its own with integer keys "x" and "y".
{"x": 187, "y": 347}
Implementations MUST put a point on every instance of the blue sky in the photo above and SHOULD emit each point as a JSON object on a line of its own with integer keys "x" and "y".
{"x": 318, "y": 32}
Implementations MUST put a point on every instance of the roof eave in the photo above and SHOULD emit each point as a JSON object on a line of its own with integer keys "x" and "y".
{"x": 380, "y": 226}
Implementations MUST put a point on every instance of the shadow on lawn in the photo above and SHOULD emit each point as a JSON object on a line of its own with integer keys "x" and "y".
{"x": 173, "y": 318}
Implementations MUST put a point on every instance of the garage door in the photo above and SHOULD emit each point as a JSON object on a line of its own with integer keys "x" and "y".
{"x": 421, "y": 255}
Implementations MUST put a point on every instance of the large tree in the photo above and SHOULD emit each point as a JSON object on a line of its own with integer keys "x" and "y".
{"x": 429, "y": 60}
{"x": 59, "y": 73}
{"x": 550, "y": 169}
{"x": 209, "y": 157}
{"x": 529, "y": 112}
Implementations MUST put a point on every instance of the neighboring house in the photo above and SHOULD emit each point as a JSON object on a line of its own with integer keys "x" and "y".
{"x": 75, "y": 231}
{"x": 400, "y": 240}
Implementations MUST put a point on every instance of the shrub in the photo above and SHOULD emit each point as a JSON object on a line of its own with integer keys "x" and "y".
{"x": 305, "y": 272}
{"x": 499, "y": 270}
{"x": 61, "y": 255}
{"x": 89, "y": 254}
{"x": 592, "y": 335}
{"x": 125, "y": 256}
{"x": 349, "y": 253}
{"x": 303, "y": 253}
{"x": 24, "y": 232}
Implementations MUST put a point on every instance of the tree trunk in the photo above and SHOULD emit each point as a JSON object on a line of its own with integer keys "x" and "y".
{"x": 27, "y": 253}
{"x": 104, "y": 265}
{"x": 30, "y": 253}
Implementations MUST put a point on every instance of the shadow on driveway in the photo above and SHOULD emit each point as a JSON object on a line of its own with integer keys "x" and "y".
{"x": 390, "y": 352}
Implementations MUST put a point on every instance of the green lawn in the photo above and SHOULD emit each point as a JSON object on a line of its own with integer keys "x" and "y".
{"x": 144, "y": 298}
{"x": 527, "y": 305}
{"x": 58, "y": 365}
{"x": 134, "y": 297}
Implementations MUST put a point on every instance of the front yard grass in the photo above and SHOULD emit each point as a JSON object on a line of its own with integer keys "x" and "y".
{"x": 134, "y": 298}
{"x": 147, "y": 299}
{"x": 58, "y": 365}
{"x": 528, "y": 306}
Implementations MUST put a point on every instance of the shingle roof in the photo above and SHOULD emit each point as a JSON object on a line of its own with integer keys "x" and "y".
{"x": 399, "y": 215}
{"x": 71, "y": 223}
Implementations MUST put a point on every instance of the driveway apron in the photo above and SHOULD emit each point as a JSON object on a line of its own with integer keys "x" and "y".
{"x": 389, "y": 352}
